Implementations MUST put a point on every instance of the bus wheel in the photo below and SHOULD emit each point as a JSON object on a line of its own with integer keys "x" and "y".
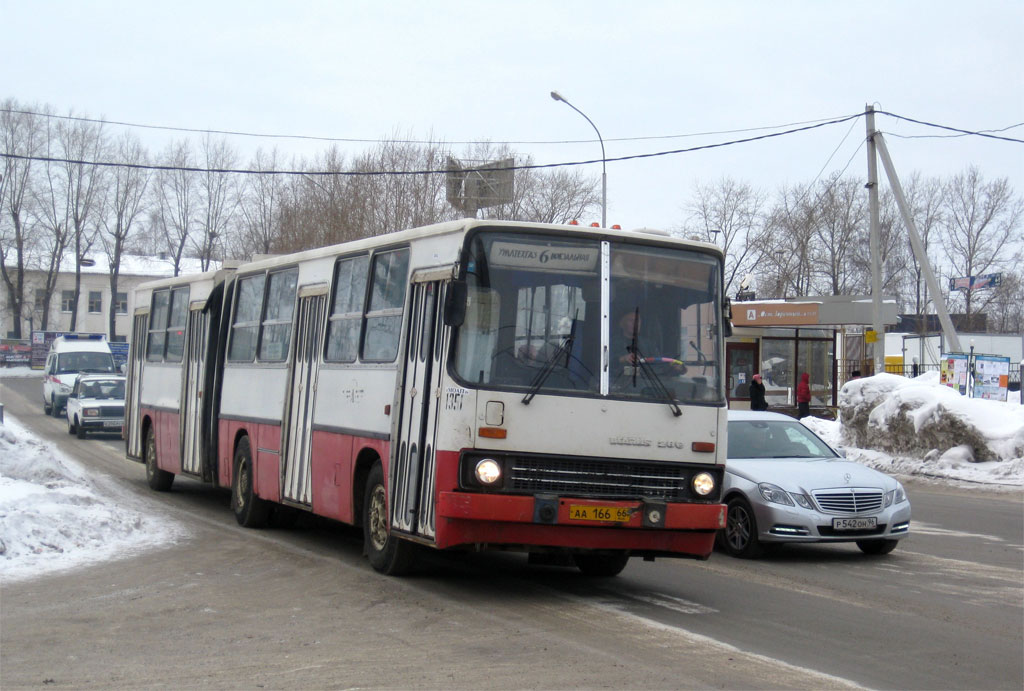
{"x": 601, "y": 565}
{"x": 387, "y": 553}
{"x": 250, "y": 510}
{"x": 157, "y": 479}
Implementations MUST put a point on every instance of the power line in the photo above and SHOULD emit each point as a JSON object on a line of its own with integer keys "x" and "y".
{"x": 352, "y": 140}
{"x": 979, "y": 133}
{"x": 357, "y": 173}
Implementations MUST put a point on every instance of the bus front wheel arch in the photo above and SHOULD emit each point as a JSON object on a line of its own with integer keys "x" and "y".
{"x": 388, "y": 553}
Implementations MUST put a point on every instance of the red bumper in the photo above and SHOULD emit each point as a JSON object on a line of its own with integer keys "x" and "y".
{"x": 465, "y": 519}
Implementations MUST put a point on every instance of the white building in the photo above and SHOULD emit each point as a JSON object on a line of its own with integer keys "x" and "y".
{"x": 95, "y": 299}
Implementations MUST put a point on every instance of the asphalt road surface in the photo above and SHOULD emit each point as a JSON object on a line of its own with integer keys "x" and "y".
{"x": 301, "y": 608}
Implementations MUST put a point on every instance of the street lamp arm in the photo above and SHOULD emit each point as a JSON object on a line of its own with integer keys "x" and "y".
{"x": 604, "y": 172}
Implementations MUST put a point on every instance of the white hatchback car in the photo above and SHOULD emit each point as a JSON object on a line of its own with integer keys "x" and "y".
{"x": 784, "y": 484}
{"x": 96, "y": 404}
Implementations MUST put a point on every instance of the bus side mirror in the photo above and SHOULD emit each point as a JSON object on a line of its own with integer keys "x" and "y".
{"x": 727, "y": 318}
{"x": 455, "y": 303}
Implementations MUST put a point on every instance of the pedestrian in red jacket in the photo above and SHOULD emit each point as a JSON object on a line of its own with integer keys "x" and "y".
{"x": 803, "y": 395}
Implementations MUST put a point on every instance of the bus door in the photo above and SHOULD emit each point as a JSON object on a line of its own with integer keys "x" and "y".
{"x": 296, "y": 465}
{"x": 412, "y": 476}
{"x": 133, "y": 393}
{"x": 193, "y": 375}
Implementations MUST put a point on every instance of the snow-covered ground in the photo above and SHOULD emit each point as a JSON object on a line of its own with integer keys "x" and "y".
{"x": 54, "y": 515}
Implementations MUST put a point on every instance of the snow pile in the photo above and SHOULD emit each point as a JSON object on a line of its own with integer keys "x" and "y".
{"x": 920, "y": 417}
{"x": 52, "y": 516}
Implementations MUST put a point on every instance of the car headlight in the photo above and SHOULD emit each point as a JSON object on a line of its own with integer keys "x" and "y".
{"x": 802, "y": 501}
{"x": 64, "y": 388}
{"x": 774, "y": 494}
{"x": 900, "y": 495}
{"x": 90, "y": 412}
{"x": 488, "y": 472}
{"x": 703, "y": 484}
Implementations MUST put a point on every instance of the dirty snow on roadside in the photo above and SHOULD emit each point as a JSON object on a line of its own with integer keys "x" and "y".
{"x": 53, "y": 516}
{"x": 920, "y": 427}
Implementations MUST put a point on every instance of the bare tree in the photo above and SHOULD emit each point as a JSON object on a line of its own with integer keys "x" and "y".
{"x": 218, "y": 198}
{"x": 982, "y": 229}
{"x": 122, "y": 206}
{"x": 730, "y": 214}
{"x": 21, "y": 136}
{"x": 787, "y": 243}
{"x": 174, "y": 213}
{"x": 260, "y": 208}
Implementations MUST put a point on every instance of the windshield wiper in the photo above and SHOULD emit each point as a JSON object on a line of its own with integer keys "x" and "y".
{"x": 565, "y": 347}
{"x": 640, "y": 363}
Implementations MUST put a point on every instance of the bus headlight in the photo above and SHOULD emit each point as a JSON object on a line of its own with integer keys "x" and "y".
{"x": 703, "y": 484}
{"x": 488, "y": 472}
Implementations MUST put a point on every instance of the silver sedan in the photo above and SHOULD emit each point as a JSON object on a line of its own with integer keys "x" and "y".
{"x": 784, "y": 484}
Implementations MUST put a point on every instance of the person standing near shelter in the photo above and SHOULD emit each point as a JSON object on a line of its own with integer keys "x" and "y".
{"x": 757, "y": 401}
{"x": 803, "y": 395}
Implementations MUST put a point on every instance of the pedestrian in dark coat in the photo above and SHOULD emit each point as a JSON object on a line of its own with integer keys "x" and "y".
{"x": 803, "y": 394}
{"x": 757, "y": 401}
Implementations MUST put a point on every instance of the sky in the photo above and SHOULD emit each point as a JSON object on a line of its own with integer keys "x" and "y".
{"x": 55, "y": 514}
{"x": 483, "y": 70}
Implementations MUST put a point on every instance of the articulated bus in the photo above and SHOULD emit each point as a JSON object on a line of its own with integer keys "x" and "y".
{"x": 472, "y": 385}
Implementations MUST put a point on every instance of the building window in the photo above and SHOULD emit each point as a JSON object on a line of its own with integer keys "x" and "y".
{"x": 67, "y": 300}
{"x": 95, "y": 302}
{"x": 121, "y": 303}
{"x": 40, "y": 299}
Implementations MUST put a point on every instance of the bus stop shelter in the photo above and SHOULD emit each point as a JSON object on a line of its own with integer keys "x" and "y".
{"x": 781, "y": 339}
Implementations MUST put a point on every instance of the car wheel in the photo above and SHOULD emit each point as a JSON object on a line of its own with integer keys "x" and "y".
{"x": 46, "y": 407}
{"x": 601, "y": 565}
{"x": 877, "y": 546}
{"x": 71, "y": 427}
{"x": 55, "y": 410}
{"x": 157, "y": 479}
{"x": 387, "y": 553}
{"x": 250, "y": 511}
{"x": 739, "y": 537}
{"x": 80, "y": 431}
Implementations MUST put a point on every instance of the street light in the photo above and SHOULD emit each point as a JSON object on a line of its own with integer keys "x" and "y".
{"x": 604, "y": 174}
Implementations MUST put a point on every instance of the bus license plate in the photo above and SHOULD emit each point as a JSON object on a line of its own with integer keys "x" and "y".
{"x": 589, "y": 512}
{"x": 854, "y": 523}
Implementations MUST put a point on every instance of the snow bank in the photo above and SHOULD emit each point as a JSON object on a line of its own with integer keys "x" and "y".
{"x": 54, "y": 516}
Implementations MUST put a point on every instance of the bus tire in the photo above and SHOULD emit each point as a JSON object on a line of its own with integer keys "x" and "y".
{"x": 250, "y": 511}
{"x": 157, "y": 479}
{"x": 601, "y": 565}
{"x": 387, "y": 553}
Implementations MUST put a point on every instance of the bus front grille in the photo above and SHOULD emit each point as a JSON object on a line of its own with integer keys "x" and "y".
{"x": 595, "y": 478}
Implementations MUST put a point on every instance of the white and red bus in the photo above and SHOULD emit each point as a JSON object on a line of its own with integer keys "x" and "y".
{"x": 471, "y": 385}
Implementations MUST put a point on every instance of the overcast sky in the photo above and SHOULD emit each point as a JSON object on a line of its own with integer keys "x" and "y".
{"x": 482, "y": 70}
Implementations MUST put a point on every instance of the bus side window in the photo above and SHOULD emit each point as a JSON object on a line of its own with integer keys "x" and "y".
{"x": 178, "y": 316}
{"x": 277, "y": 325}
{"x": 347, "y": 309}
{"x": 246, "y": 324}
{"x": 157, "y": 326}
{"x": 387, "y": 298}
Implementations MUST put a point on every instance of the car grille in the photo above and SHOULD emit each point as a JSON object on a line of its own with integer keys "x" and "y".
{"x": 849, "y": 501}
{"x": 112, "y": 411}
{"x": 589, "y": 477}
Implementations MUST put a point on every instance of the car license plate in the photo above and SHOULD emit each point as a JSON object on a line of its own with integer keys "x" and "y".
{"x": 854, "y": 523}
{"x": 112, "y": 423}
{"x": 589, "y": 512}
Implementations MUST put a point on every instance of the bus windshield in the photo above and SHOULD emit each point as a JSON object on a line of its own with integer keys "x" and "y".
{"x": 538, "y": 319}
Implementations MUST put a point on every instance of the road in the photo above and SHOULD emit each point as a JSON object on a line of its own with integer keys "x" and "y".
{"x": 234, "y": 608}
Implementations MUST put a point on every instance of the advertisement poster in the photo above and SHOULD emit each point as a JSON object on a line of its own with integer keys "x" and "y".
{"x": 953, "y": 371}
{"x": 991, "y": 377}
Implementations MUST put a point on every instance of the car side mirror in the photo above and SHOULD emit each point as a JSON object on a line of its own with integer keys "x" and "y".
{"x": 455, "y": 303}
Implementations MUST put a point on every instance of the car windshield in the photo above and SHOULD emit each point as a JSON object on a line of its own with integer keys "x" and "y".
{"x": 774, "y": 439}
{"x": 534, "y": 318}
{"x": 103, "y": 388}
{"x": 68, "y": 363}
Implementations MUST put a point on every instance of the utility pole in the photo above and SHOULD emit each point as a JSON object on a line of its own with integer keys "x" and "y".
{"x": 878, "y": 347}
